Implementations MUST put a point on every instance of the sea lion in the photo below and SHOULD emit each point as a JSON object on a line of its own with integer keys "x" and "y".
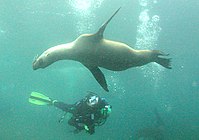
{"x": 156, "y": 132}
{"x": 94, "y": 51}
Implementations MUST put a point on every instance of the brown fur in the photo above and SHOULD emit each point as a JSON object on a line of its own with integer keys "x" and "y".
{"x": 93, "y": 51}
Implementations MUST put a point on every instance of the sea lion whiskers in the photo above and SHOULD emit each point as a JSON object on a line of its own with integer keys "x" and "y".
{"x": 35, "y": 58}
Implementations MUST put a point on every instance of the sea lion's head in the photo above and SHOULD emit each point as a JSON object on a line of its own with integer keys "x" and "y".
{"x": 53, "y": 54}
{"x": 42, "y": 61}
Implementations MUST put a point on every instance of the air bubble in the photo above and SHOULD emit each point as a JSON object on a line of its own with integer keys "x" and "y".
{"x": 155, "y": 18}
{"x": 143, "y": 3}
{"x": 144, "y": 17}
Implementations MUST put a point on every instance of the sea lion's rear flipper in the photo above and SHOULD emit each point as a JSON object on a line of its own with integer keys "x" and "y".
{"x": 99, "y": 76}
{"x": 103, "y": 27}
{"x": 160, "y": 59}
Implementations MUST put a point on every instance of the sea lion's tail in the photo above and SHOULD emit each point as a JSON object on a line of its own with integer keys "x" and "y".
{"x": 165, "y": 62}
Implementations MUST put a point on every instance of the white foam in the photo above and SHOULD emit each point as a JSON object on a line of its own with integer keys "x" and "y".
{"x": 148, "y": 32}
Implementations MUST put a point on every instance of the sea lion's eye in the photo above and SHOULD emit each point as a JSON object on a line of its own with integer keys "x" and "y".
{"x": 47, "y": 54}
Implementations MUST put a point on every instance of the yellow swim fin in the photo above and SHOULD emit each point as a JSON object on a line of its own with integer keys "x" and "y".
{"x": 39, "y": 99}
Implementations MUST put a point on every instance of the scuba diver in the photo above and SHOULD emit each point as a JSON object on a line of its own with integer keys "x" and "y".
{"x": 87, "y": 113}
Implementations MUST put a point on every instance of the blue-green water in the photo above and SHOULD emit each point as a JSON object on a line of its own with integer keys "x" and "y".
{"x": 27, "y": 28}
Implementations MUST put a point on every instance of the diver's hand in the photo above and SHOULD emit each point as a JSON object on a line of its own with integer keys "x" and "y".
{"x": 86, "y": 128}
{"x": 106, "y": 110}
{"x": 89, "y": 129}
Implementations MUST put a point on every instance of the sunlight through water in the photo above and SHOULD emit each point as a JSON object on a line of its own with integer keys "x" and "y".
{"x": 81, "y": 5}
{"x": 84, "y": 12}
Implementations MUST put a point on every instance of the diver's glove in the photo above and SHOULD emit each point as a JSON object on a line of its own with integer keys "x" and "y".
{"x": 106, "y": 110}
{"x": 86, "y": 128}
{"x": 90, "y": 130}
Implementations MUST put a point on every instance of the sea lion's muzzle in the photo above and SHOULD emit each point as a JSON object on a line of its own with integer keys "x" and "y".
{"x": 34, "y": 66}
{"x": 35, "y": 63}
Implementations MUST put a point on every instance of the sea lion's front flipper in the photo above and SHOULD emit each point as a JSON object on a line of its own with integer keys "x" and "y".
{"x": 103, "y": 27}
{"x": 99, "y": 76}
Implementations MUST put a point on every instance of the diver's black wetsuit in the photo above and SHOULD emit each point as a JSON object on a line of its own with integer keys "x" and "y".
{"x": 84, "y": 114}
